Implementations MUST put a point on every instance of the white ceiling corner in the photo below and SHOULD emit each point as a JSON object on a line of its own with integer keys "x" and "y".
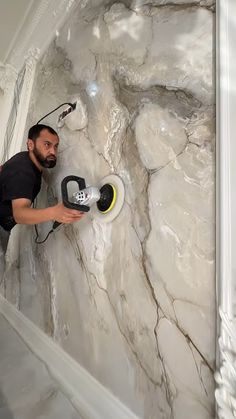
{"x": 12, "y": 17}
{"x": 29, "y": 25}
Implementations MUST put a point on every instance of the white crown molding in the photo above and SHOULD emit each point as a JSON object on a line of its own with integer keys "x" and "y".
{"x": 92, "y": 400}
{"x": 44, "y": 19}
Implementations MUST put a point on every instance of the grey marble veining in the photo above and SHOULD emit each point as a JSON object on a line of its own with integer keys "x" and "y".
{"x": 133, "y": 301}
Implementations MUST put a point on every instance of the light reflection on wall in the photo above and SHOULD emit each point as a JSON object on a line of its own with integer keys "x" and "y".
{"x": 92, "y": 89}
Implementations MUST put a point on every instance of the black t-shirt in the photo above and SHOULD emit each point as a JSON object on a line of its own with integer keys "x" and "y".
{"x": 19, "y": 178}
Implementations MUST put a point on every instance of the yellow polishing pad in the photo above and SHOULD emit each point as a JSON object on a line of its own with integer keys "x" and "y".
{"x": 113, "y": 200}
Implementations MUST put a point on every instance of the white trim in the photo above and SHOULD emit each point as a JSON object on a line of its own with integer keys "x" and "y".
{"x": 91, "y": 399}
{"x": 224, "y": 157}
{"x": 25, "y": 96}
{"x": 226, "y": 209}
{"x": 8, "y": 77}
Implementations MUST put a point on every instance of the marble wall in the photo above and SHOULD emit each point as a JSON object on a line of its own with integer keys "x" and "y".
{"x": 133, "y": 300}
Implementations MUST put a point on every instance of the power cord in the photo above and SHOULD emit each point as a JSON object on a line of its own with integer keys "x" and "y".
{"x": 37, "y": 235}
{"x": 72, "y": 105}
{"x": 36, "y": 230}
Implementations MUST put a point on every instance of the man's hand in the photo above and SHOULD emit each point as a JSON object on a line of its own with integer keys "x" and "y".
{"x": 66, "y": 215}
{"x": 24, "y": 214}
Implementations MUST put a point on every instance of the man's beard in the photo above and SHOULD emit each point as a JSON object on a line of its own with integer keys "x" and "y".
{"x": 47, "y": 162}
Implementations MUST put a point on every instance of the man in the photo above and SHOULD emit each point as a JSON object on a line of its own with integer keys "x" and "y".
{"x": 20, "y": 182}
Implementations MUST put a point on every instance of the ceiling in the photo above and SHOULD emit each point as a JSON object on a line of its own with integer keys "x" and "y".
{"x": 12, "y": 16}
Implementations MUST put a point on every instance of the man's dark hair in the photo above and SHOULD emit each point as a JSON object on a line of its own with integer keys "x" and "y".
{"x": 35, "y": 130}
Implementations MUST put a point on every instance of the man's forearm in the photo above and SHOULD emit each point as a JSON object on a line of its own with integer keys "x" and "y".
{"x": 24, "y": 214}
{"x": 27, "y": 215}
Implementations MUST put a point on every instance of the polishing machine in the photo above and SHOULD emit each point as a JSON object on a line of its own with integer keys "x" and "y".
{"x": 108, "y": 195}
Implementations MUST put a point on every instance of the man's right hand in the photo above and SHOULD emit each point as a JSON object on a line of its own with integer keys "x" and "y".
{"x": 24, "y": 214}
{"x": 66, "y": 215}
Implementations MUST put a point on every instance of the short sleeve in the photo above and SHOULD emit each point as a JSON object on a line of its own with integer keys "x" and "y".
{"x": 18, "y": 185}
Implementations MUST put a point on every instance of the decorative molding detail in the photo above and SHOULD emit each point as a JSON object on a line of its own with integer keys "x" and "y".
{"x": 30, "y": 68}
{"x": 91, "y": 399}
{"x": 44, "y": 19}
{"x": 32, "y": 57}
{"x": 8, "y": 76}
{"x": 226, "y": 376}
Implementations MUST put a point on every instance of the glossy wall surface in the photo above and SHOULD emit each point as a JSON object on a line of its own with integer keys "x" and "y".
{"x": 133, "y": 301}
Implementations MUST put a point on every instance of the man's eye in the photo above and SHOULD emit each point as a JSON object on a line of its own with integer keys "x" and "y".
{"x": 47, "y": 144}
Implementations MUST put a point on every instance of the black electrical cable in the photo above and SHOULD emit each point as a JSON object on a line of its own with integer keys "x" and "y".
{"x": 37, "y": 233}
{"x": 73, "y": 105}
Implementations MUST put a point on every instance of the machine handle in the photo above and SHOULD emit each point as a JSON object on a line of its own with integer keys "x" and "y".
{"x": 64, "y": 191}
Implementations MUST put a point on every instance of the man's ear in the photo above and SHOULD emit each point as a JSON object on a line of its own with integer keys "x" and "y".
{"x": 30, "y": 145}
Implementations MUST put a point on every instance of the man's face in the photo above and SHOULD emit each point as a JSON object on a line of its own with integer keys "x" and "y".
{"x": 45, "y": 149}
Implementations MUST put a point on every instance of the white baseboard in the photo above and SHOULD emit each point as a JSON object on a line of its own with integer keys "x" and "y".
{"x": 91, "y": 399}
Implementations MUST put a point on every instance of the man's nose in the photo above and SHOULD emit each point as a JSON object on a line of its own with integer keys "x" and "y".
{"x": 53, "y": 151}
